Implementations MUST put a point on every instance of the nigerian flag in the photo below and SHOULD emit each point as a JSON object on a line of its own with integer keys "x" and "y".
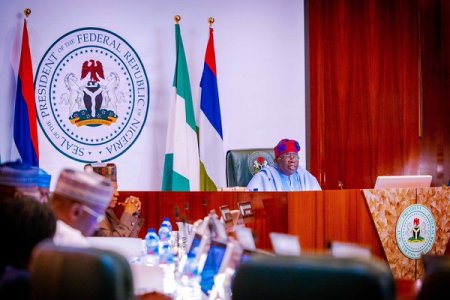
{"x": 181, "y": 162}
{"x": 212, "y": 154}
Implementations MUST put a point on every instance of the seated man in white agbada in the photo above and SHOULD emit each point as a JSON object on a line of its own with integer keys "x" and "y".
{"x": 286, "y": 174}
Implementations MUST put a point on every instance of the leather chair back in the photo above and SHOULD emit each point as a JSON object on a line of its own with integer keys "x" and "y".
{"x": 59, "y": 272}
{"x": 313, "y": 277}
{"x": 435, "y": 284}
{"x": 241, "y": 165}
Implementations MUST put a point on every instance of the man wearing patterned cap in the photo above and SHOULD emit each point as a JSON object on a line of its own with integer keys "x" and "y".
{"x": 129, "y": 224}
{"x": 43, "y": 183}
{"x": 79, "y": 202}
{"x": 285, "y": 175}
{"x": 17, "y": 178}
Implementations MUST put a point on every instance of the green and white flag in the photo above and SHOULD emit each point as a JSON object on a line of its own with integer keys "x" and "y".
{"x": 181, "y": 162}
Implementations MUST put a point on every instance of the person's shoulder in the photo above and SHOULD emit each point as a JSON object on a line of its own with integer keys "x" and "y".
{"x": 302, "y": 170}
{"x": 309, "y": 178}
{"x": 66, "y": 235}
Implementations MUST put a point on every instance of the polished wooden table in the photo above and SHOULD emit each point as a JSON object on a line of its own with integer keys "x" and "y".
{"x": 316, "y": 217}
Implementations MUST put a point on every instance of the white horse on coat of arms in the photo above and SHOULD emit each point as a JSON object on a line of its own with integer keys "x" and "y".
{"x": 110, "y": 93}
{"x": 75, "y": 93}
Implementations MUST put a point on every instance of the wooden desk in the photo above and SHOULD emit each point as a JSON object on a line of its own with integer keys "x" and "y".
{"x": 316, "y": 217}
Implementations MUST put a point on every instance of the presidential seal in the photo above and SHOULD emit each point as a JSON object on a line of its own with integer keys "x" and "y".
{"x": 415, "y": 231}
{"x": 92, "y": 95}
{"x": 258, "y": 160}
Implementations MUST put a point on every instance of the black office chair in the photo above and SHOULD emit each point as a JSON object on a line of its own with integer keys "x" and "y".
{"x": 313, "y": 277}
{"x": 435, "y": 284}
{"x": 79, "y": 273}
{"x": 241, "y": 165}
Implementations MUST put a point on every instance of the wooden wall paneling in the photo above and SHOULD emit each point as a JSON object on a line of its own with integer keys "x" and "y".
{"x": 272, "y": 207}
{"x": 315, "y": 90}
{"x": 340, "y": 219}
{"x": 363, "y": 90}
{"x": 305, "y": 219}
{"x": 200, "y": 205}
{"x": 172, "y": 205}
{"x": 435, "y": 76}
{"x": 271, "y": 215}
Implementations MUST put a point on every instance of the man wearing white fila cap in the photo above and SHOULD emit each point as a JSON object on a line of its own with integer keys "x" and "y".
{"x": 79, "y": 202}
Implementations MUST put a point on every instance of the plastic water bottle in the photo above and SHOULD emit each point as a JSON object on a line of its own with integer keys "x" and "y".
{"x": 172, "y": 236}
{"x": 189, "y": 286}
{"x": 152, "y": 245}
{"x": 169, "y": 225}
{"x": 166, "y": 255}
{"x": 164, "y": 236}
{"x": 190, "y": 268}
{"x": 167, "y": 222}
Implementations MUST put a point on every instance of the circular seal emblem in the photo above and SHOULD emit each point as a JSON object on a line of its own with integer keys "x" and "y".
{"x": 258, "y": 160}
{"x": 92, "y": 95}
{"x": 415, "y": 231}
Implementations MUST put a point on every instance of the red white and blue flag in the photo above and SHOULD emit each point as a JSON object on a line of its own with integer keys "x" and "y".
{"x": 212, "y": 154}
{"x": 25, "y": 124}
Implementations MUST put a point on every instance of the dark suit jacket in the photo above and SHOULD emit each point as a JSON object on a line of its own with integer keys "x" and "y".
{"x": 127, "y": 226}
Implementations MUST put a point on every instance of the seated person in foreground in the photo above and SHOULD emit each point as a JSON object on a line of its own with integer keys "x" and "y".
{"x": 286, "y": 175}
{"x": 25, "y": 223}
{"x": 17, "y": 178}
{"x": 130, "y": 222}
{"x": 79, "y": 202}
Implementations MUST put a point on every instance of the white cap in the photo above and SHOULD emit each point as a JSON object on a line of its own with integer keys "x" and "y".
{"x": 86, "y": 187}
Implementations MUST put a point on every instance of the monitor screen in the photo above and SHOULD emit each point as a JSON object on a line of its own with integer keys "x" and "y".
{"x": 406, "y": 181}
{"x": 195, "y": 244}
{"x": 212, "y": 265}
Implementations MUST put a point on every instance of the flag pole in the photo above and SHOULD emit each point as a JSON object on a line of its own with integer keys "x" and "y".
{"x": 25, "y": 125}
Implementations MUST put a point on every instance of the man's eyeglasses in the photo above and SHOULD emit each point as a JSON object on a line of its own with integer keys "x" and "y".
{"x": 98, "y": 217}
{"x": 289, "y": 156}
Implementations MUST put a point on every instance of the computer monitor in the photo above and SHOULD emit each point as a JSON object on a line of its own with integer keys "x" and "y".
{"x": 217, "y": 259}
{"x": 406, "y": 181}
{"x": 196, "y": 246}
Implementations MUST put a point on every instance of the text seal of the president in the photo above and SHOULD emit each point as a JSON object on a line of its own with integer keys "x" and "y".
{"x": 92, "y": 95}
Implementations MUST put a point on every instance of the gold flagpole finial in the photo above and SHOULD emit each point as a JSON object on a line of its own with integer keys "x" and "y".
{"x": 211, "y": 21}
{"x": 27, "y": 12}
{"x": 177, "y": 19}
